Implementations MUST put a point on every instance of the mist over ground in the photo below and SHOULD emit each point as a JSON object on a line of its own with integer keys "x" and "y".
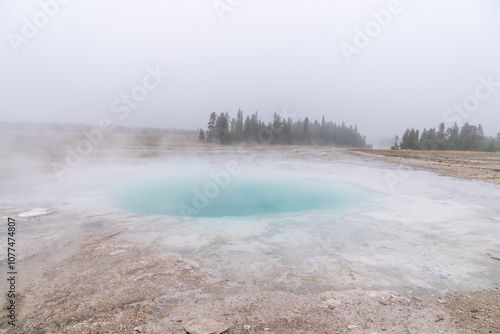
{"x": 213, "y": 166}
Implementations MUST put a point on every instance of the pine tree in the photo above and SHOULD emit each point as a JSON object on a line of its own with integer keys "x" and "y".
{"x": 405, "y": 142}
{"x": 322, "y": 132}
{"x": 491, "y": 146}
{"x": 222, "y": 129}
{"x": 238, "y": 129}
{"x": 396, "y": 145}
{"x": 211, "y": 127}
{"x": 247, "y": 131}
{"x": 453, "y": 138}
{"x": 254, "y": 127}
{"x": 424, "y": 140}
{"x": 305, "y": 132}
{"x": 441, "y": 137}
{"x": 277, "y": 128}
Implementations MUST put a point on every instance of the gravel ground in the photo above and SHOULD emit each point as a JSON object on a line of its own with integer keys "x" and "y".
{"x": 111, "y": 286}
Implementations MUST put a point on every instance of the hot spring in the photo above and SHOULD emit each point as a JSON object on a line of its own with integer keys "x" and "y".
{"x": 283, "y": 224}
{"x": 219, "y": 195}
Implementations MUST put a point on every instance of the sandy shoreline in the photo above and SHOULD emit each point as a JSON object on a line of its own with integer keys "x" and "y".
{"x": 105, "y": 283}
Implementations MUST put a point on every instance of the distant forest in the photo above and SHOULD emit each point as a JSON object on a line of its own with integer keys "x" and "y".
{"x": 78, "y": 128}
{"x": 467, "y": 138}
{"x": 223, "y": 129}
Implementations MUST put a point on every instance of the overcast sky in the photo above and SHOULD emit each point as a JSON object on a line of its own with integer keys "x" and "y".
{"x": 257, "y": 55}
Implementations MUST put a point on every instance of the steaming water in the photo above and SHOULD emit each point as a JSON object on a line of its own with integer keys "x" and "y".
{"x": 237, "y": 197}
{"x": 285, "y": 224}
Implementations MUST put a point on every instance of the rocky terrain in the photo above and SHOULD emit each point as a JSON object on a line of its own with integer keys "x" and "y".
{"x": 110, "y": 286}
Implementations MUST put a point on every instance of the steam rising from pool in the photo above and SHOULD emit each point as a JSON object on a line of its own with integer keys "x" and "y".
{"x": 237, "y": 197}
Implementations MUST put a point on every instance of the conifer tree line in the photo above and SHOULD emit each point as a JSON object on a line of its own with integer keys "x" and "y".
{"x": 467, "y": 138}
{"x": 281, "y": 131}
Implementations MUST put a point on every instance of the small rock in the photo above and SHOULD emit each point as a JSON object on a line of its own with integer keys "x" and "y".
{"x": 441, "y": 301}
{"x": 205, "y": 326}
{"x": 405, "y": 332}
{"x": 384, "y": 301}
{"x": 332, "y": 303}
{"x": 352, "y": 327}
{"x": 138, "y": 329}
{"x": 247, "y": 327}
{"x": 267, "y": 329}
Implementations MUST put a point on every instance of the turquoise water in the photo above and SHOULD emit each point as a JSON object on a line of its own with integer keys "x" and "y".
{"x": 205, "y": 197}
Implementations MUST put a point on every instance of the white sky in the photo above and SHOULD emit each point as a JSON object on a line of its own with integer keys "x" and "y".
{"x": 265, "y": 55}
